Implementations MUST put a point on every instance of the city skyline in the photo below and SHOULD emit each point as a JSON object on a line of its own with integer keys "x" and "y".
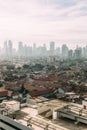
{"x": 56, "y": 45}
{"x": 42, "y": 21}
{"x": 24, "y": 51}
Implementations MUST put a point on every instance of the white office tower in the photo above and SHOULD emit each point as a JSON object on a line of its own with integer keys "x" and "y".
{"x": 20, "y": 49}
{"x": 64, "y": 51}
{"x": 10, "y": 50}
{"x": 5, "y": 49}
{"x": 52, "y": 48}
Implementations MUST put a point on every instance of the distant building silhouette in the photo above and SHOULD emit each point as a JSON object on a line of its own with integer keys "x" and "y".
{"x": 52, "y": 48}
{"x": 64, "y": 51}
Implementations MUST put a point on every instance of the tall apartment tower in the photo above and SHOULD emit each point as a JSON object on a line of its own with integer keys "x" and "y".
{"x": 70, "y": 54}
{"x": 64, "y": 51}
{"x": 20, "y": 49}
{"x": 78, "y": 53}
{"x": 52, "y": 48}
{"x": 34, "y": 50}
{"x": 10, "y": 48}
{"x": 5, "y": 49}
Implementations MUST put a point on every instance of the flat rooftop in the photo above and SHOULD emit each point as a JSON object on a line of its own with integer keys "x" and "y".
{"x": 54, "y": 104}
{"x": 40, "y": 122}
{"x": 10, "y": 102}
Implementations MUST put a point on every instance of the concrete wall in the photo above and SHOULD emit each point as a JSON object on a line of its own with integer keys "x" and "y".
{"x": 43, "y": 109}
{"x": 9, "y": 124}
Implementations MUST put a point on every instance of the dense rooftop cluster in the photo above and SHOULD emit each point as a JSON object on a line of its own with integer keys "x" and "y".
{"x": 52, "y": 79}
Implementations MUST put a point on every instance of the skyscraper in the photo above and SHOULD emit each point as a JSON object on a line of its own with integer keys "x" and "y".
{"x": 52, "y": 45}
{"x": 10, "y": 48}
{"x": 44, "y": 50}
{"x": 52, "y": 48}
{"x": 5, "y": 49}
{"x": 78, "y": 53}
{"x": 64, "y": 51}
{"x": 70, "y": 54}
{"x": 20, "y": 49}
{"x": 34, "y": 50}
{"x": 84, "y": 51}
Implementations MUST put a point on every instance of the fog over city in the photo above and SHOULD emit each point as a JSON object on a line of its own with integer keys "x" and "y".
{"x": 42, "y": 21}
{"x": 43, "y": 64}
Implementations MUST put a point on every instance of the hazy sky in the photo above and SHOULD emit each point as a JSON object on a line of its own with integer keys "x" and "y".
{"x": 42, "y": 21}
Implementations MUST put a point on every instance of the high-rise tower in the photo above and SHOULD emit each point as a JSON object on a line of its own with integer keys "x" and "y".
{"x": 64, "y": 51}
{"x": 5, "y": 49}
{"x": 20, "y": 49}
{"x": 52, "y": 48}
{"x": 10, "y": 48}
